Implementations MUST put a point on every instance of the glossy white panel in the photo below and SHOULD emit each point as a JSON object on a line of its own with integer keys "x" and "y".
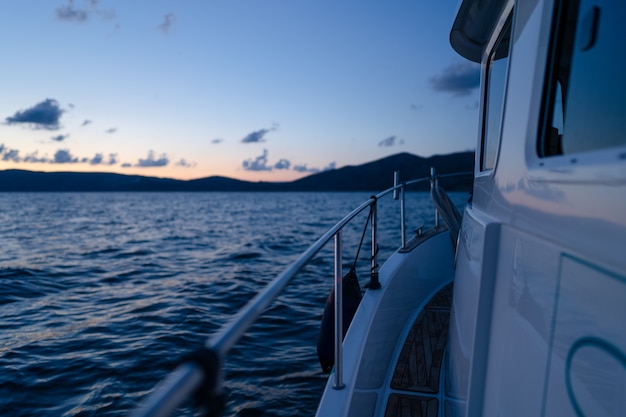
{"x": 524, "y": 298}
{"x": 471, "y": 307}
{"x": 587, "y": 373}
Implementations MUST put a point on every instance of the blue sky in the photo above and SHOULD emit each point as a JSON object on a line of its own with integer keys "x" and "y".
{"x": 268, "y": 90}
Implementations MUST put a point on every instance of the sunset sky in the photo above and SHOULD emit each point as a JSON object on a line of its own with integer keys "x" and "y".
{"x": 268, "y": 90}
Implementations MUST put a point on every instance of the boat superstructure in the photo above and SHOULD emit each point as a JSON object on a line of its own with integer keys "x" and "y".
{"x": 517, "y": 309}
{"x": 540, "y": 282}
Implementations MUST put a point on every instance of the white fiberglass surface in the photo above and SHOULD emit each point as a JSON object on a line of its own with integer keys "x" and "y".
{"x": 374, "y": 339}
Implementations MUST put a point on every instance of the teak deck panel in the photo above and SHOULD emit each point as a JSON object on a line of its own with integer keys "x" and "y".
{"x": 419, "y": 365}
{"x": 401, "y": 405}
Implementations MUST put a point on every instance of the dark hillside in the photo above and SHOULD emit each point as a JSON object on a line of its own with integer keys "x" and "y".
{"x": 372, "y": 176}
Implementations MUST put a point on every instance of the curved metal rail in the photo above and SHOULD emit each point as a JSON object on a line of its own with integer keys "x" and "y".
{"x": 202, "y": 370}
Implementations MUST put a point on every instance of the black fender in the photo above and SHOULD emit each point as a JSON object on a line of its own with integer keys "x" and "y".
{"x": 351, "y": 299}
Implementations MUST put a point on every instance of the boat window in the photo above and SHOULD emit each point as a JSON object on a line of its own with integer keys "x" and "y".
{"x": 494, "y": 98}
{"x": 585, "y": 90}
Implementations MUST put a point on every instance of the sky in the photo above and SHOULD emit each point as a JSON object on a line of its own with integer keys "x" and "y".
{"x": 258, "y": 90}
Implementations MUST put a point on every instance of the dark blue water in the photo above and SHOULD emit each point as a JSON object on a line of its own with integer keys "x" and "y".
{"x": 102, "y": 293}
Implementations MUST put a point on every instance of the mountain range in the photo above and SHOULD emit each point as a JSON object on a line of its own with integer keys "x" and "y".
{"x": 372, "y": 176}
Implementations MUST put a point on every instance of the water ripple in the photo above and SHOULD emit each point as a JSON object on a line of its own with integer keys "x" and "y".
{"x": 102, "y": 293}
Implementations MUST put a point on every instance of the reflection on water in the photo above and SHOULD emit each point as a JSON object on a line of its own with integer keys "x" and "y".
{"x": 101, "y": 293}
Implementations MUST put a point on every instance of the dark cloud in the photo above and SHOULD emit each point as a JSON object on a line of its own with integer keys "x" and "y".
{"x": 305, "y": 168}
{"x": 217, "y": 140}
{"x": 330, "y": 167}
{"x": 111, "y": 130}
{"x": 34, "y": 158}
{"x": 60, "y": 138}
{"x": 312, "y": 170}
{"x": 152, "y": 161}
{"x": 257, "y": 164}
{"x": 391, "y": 141}
{"x": 183, "y": 163}
{"x": 69, "y": 13}
{"x": 63, "y": 156}
{"x": 260, "y": 163}
{"x": 86, "y": 122}
{"x": 256, "y": 136}
{"x": 168, "y": 21}
{"x": 44, "y": 115}
{"x": 259, "y": 135}
{"x": 10, "y": 155}
{"x": 460, "y": 79}
{"x": 127, "y": 165}
{"x": 282, "y": 164}
{"x": 98, "y": 159}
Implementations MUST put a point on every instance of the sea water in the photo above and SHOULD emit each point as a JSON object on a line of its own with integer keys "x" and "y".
{"x": 101, "y": 294}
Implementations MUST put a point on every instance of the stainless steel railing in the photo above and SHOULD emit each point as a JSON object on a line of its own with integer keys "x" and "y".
{"x": 194, "y": 374}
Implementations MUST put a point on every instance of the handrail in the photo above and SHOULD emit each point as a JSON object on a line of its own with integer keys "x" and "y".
{"x": 193, "y": 374}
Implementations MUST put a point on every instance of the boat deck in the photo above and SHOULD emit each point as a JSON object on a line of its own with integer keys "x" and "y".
{"x": 416, "y": 379}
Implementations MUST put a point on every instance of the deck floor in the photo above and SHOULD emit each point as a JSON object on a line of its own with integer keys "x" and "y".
{"x": 418, "y": 369}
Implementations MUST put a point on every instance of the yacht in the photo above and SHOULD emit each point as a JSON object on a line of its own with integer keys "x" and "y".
{"x": 516, "y": 305}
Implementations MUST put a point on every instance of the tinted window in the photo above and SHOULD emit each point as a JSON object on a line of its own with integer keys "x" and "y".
{"x": 494, "y": 98}
{"x": 586, "y": 90}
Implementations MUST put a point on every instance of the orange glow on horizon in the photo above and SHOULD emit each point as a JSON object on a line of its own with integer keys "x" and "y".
{"x": 170, "y": 171}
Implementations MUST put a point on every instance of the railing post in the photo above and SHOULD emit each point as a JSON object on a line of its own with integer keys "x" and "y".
{"x": 432, "y": 186}
{"x": 374, "y": 283}
{"x": 396, "y": 182}
{"x": 402, "y": 217}
{"x": 338, "y": 384}
{"x": 400, "y": 192}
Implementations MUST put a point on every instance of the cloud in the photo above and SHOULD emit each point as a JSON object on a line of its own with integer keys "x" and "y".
{"x": 259, "y": 135}
{"x": 44, "y": 115}
{"x": 151, "y": 161}
{"x": 391, "y": 141}
{"x": 111, "y": 130}
{"x": 86, "y": 122}
{"x": 305, "y": 168}
{"x": 459, "y": 78}
{"x": 60, "y": 138}
{"x": 10, "y": 155}
{"x": 417, "y": 107}
{"x": 258, "y": 164}
{"x": 330, "y": 167}
{"x": 217, "y": 140}
{"x": 34, "y": 158}
{"x": 282, "y": 164}
{"x": 74, "y": 14}
{"x": 69, "y": 13}
{"x": 63, "y": 156}
{"x": 312, "y": 170}
{"x": 98, "y": 159}
{"x": 168, "y": 21}
{"x": 183, "y": 163}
